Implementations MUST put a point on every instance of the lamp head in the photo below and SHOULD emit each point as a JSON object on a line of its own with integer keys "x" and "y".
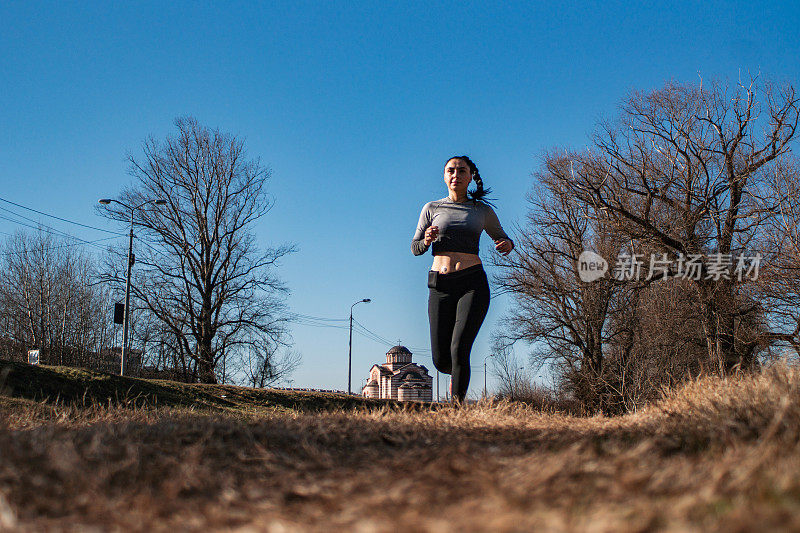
{"x": 366, "y": 300}
{"x": 161, "y": 202}
{"x": 104, "y": 201}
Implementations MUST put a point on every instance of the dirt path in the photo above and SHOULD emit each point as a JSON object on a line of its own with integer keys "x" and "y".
{"x": 715, "y": 456}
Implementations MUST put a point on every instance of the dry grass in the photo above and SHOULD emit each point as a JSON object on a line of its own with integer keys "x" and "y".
{"x": 714, "y": 455}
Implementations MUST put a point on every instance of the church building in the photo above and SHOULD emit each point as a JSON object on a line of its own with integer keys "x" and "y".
{"x": 399, "y": 378}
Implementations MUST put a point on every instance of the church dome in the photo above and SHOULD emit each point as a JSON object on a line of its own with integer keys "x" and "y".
{"x": 398, "y": 350}
{"x": 398, "y": 355}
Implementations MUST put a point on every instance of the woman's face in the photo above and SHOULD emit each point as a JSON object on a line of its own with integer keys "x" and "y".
{"x": 457, "y": 176}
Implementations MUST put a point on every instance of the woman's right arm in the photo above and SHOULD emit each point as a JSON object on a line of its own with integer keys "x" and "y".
{"x": 418, "y": 246}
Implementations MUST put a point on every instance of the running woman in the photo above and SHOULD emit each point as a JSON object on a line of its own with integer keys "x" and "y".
{"x": 459, "y": 290}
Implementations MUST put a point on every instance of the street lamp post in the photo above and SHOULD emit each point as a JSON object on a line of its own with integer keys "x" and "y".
{"x": 350, "y": 346}
{"x": 484, "y": 373}
{"x": 126, "y": 315}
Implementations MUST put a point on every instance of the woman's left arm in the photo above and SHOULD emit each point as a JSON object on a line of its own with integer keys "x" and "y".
{"x": 502, "y": 242}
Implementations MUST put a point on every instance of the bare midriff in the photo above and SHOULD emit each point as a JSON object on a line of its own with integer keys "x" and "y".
{"x": 447, "y": 262}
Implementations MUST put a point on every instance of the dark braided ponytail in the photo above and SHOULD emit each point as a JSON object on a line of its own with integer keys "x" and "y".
{"x": 479, "y": 194}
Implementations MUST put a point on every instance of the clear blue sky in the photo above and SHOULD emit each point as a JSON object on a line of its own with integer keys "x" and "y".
{"x": 355, "y": 109}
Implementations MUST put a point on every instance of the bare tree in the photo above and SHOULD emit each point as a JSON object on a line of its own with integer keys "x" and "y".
{"x": 48, "y": 300}
{"x": 564, "y": 319}
{"x": 779, "y": 281}
{"x": 679, "y": 174}
{"x": 512, "y": 380}
{"x": 676, "y": 173}
{"x": 264, "y": 368}
{"x": 198, "y": 269}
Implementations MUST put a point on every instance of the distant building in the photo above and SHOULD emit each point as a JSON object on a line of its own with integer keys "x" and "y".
{"x": 399, "y": 378}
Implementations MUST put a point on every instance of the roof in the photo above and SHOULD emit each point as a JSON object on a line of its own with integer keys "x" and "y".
{"x": 407, "y": 369}
{"x": 398, "y": 349}
{"x": 382, "y": 368}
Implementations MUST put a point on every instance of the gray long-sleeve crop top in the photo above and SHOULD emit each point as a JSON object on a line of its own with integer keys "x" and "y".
{"x": 460, "y": 226}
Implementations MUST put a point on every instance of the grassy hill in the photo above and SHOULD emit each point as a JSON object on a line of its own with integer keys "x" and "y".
{"x": 78, "y": 387}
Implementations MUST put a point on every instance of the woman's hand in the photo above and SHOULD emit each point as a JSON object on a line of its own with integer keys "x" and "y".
{"x": 504, "y": 246}
{"x": 430, "y": 234}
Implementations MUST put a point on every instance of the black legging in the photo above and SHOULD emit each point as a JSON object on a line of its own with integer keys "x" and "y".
{"x": 456, "y": 309}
